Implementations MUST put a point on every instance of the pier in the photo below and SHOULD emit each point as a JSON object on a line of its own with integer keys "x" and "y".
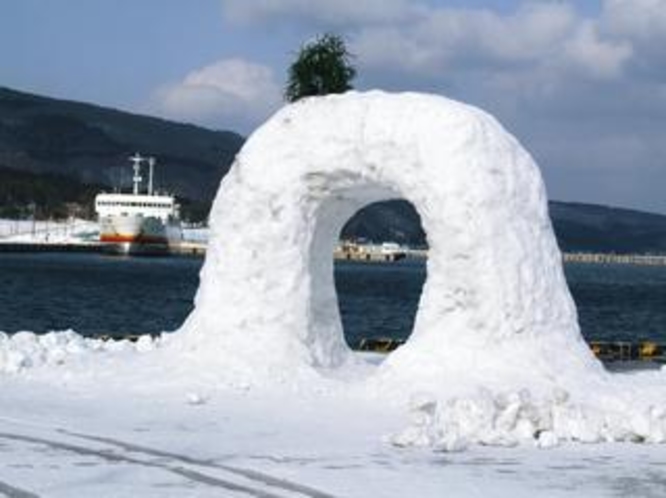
{"x": 189, "y": 249}
{"x": 183, "y": 249}
{"x": 606, "y": 351}
{"x": 345, "y": 251}
{"x": 94, "y": 247}
{"x": 586, "y": 257}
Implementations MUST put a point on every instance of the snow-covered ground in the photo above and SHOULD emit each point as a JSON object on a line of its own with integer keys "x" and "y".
{"x": 80, "y": 418}
{"x": 45, "y": 232}
{"x": 73, "y": 231}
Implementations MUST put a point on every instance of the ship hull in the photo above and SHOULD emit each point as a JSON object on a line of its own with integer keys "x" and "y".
{"x": 139, "y": 235}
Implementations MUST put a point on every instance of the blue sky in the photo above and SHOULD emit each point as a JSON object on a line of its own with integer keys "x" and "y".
{"x": 581, "y": 83}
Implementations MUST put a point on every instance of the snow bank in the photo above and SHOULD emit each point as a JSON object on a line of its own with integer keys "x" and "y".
{"x": 60, "y": 232}
{"x": 509, "y": 419}
{"x": 26, "y": 351}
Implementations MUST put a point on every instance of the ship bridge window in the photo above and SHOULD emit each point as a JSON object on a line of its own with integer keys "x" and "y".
{"x": 381, "y": 256}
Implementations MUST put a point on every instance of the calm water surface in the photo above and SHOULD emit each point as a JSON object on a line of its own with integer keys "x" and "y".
{"x": 96, "y": 294}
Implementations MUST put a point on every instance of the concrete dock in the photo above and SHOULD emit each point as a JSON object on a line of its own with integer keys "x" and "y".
{"x": 184, "y": 249}
{"x": 52, "y": 247}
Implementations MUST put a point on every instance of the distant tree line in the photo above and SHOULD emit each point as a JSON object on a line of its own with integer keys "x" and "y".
{"x": 46, "y": 196}
{"x": 51, "y": 196}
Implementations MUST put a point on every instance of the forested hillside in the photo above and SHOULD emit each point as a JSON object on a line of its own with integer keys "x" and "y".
{"x": 55, "y": 155}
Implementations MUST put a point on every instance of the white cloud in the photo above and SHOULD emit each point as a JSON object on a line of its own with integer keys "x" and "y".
{"x": 230, "y": 93}
{"x": 548, "y": 39}
{"x": 558, "y": 79}
{"x": 573, "y": 84}
{"x": 642, "y": 23}
{"x": 595, "y": 57}
{"x": 529, "y": 33}
{"x": 339, "y": 13}
{"x": 638, "y": 19}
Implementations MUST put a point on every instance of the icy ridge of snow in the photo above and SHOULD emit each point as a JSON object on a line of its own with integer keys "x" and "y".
{"x": 48, "y": 232}
{"x": 517, "y": 417}
{"x": 25, "y": 351}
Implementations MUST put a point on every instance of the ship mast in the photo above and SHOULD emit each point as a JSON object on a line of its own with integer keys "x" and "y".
{"x": 136, "y": 160}
{"x": 151, "y": 167}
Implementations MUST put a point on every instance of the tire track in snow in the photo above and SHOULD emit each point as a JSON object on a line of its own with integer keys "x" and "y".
{"x": 192, "y": 475}
{"x": 253, "y": 475}
{"x": 13, "y": 492}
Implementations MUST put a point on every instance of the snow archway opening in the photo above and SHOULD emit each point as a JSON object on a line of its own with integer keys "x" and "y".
{"x": 347, "y": 194}
{"x": 325, "y": 325}
{"x": 380, "y": 267}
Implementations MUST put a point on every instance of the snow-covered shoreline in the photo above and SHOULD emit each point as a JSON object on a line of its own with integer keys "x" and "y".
{"x": 450, "y": 417}
{"x": 48, "y": 232}
{"x": 112, "y": 422}
{"x": 72, "y": 231}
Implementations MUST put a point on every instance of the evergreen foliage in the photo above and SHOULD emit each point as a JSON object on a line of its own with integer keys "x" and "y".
{"x": 44, "y": 195}
{"x": 322, "y": 67}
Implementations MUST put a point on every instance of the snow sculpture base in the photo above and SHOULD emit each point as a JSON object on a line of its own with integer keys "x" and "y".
{"x": 495, "y": 300}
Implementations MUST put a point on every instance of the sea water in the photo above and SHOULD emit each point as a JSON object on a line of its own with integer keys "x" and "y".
{"x": 96, "y": 294}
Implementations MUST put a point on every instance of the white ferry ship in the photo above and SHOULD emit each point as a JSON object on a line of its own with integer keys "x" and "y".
{"x": 141, "y": 222}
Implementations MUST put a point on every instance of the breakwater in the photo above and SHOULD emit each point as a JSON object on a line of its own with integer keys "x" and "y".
{"x": 625, "y": 259}
{"x": 199, "y": 249}
{"x": 184, "y": 249}
{"x": 587, "y": 257}
{"x": 92, "y": 247}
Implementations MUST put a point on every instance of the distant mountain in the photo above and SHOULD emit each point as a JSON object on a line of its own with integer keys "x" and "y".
{"x": 91, "y": 144}
{"x": 578, "y": 227}
{"x": 395, "y": 221}
{"x": 55, "y": 153}
{"x": 593, "y": 228}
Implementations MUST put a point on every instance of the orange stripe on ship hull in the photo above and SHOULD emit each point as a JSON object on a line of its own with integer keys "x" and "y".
{"x": 136, "y": 239}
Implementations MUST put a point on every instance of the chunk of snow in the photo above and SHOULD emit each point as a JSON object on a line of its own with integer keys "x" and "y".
{"x": 145, "y": 343}
{"x": 547, "y": 439}
{"x": 26, "y": 351}
{"x": 488, "y": 419}
{"x": 195, "y": 399}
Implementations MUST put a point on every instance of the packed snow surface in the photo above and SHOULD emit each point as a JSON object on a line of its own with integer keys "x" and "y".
{"x": 71, "y": 231}
{"x": 496, "y": 358}
{"x": 48, "y": 232}
{"x": 83, "y": 418}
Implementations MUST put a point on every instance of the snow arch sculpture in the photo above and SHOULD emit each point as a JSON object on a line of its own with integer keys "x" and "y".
{"x": 494, "y": 275}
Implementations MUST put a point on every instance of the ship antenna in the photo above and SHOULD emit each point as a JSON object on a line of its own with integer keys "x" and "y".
{"x": 136, "y": 160}
{"x": 151, "y": 167}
